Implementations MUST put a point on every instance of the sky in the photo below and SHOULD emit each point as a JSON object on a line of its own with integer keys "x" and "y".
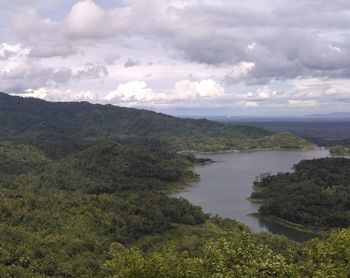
{"x": 192, "y": 57}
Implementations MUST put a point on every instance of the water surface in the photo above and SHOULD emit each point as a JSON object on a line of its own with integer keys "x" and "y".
{"x": 224, "y": 186}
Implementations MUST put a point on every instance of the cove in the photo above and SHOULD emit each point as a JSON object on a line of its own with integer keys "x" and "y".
{"x": 224, "y": 186}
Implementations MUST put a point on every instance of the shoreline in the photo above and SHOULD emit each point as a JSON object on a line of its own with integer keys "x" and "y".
{"x": 298, "y": 227}
{"x": 250, "y": 150}
{"x": 186, "y": 186}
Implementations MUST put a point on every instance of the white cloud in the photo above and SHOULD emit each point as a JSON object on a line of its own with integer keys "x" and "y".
{"x": 11, "y": 51}
{"x": 334, "y": 48}
{"x": 338, "y": 88}
{"x": 206, "y": 88}
{"x": 301, "y": 56}
{"x": 52, "y": 94}
{"x": 40, "y": 93}
{"x": 138, "y": 93}
{"x": 86, "y": 20}
{"x": 29, "y": 26}
{"x": 302, "y": 103}
{"x": 265, "y": 93}
{"x": 239, "y": 71}
{"x": 46, "y": 49}
{"x": 251, "y": 46}
{"x": 134, "y": 92}
{"x": 20, "y": 73}
{"x": 249, "y": 104}
{"x": 321, "y": 88}
{"x": 92, "y": 71}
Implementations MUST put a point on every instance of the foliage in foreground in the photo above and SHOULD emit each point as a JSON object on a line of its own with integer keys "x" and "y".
{"x": 242, "y": 257}
{"x": 58, "y": 217}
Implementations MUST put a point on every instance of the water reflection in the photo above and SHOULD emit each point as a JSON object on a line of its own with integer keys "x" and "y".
{"x": 270, "y": 226}
{"x": 225, "y": 186}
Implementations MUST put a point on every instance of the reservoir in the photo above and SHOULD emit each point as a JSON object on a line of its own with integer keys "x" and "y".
{"x": 224, "y": 186}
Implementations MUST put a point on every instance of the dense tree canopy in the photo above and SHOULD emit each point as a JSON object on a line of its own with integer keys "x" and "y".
{"x": 232, "y": 257}
{"x": 85, "y": 192}
{"x": 340, "y": 150}
{"x": 69, "y": 127}
{"x": 58, "y": 217}
{"x": 317, "y": 193}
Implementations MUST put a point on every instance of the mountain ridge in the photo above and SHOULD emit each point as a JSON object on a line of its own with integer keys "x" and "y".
{"x": 40, "y": 122}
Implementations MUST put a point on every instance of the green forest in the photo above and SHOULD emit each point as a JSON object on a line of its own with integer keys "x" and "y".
{"x": 86, "y": 191}
{"x": 340, "y": 150}
{"x": 63, "y": 128}
{"x": 316, "y": 194}
{"x": 105, "y": 212}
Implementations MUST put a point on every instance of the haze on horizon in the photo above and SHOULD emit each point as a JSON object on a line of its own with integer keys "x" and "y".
{"x": 193, "y": 57}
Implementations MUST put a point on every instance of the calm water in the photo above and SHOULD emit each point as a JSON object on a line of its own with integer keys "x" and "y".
{"x": 225, "y": 186}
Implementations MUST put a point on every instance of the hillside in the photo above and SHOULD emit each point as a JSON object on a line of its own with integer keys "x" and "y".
{"x": 104, "y": 213}
{"x": 323, "y": 132}
{"x": 84, "y": 197}
{"x": 59, "y": 217}
{"x": 316, "y": 194}
{"x": 340, "y": 150}
{"x": 71, "y": 126}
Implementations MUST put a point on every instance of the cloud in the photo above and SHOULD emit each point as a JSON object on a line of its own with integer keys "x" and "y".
{"x": 19, "y": 71}
{"x": 52, "y": 49}
{"x": 302, "y": 103}
{"x": 239, "y": 71}
{"x": 276, "y": 37}
{"x": 92, "y": 71}
{"x": 32, "y": 76}
{"x": 51, "y": 94}
{"x": 31, "y": 3}
{"x": 249, "y": 104}
{"x": 29, "y": 26}
{"x": 260, "y": 53}
{"x": 86, "y": 20}
{"x": 187, "y": 89}
{"x": 131, "y": 63}
{"x": 43, "y": 36}
{"x": 8, "y": 51}
{"x": 110, "y": 59}
{"x": 39, "y": 93}
{"x": 139, "y": 93}
{"x": 134, "y": 92}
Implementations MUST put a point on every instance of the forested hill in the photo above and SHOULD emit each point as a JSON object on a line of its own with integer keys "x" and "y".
{"x": 86, "y": 119}
{"x": 315, "y": 194}
{"x": 36, "y": 121}
{"x": 84, "y": 192}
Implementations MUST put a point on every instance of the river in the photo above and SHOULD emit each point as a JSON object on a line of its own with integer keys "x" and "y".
{"x": 224, "y": 186}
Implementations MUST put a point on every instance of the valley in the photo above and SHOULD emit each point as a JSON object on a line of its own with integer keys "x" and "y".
{"x": 86, "y": 189}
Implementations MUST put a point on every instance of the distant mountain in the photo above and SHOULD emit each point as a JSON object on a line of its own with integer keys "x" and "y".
{"x": 45, "y": 123}
{"x": 337, "y": 115}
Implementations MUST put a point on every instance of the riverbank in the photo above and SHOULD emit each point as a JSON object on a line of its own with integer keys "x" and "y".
{"x": 299, "y": 227}
{"x": 228, "y": 151}
{"x": 223, "y": 188}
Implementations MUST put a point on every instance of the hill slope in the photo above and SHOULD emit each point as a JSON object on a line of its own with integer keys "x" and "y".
{"x": 47, "y": 123}
{"x": 59, "y": 217}
{"x": 315, "y": 194}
